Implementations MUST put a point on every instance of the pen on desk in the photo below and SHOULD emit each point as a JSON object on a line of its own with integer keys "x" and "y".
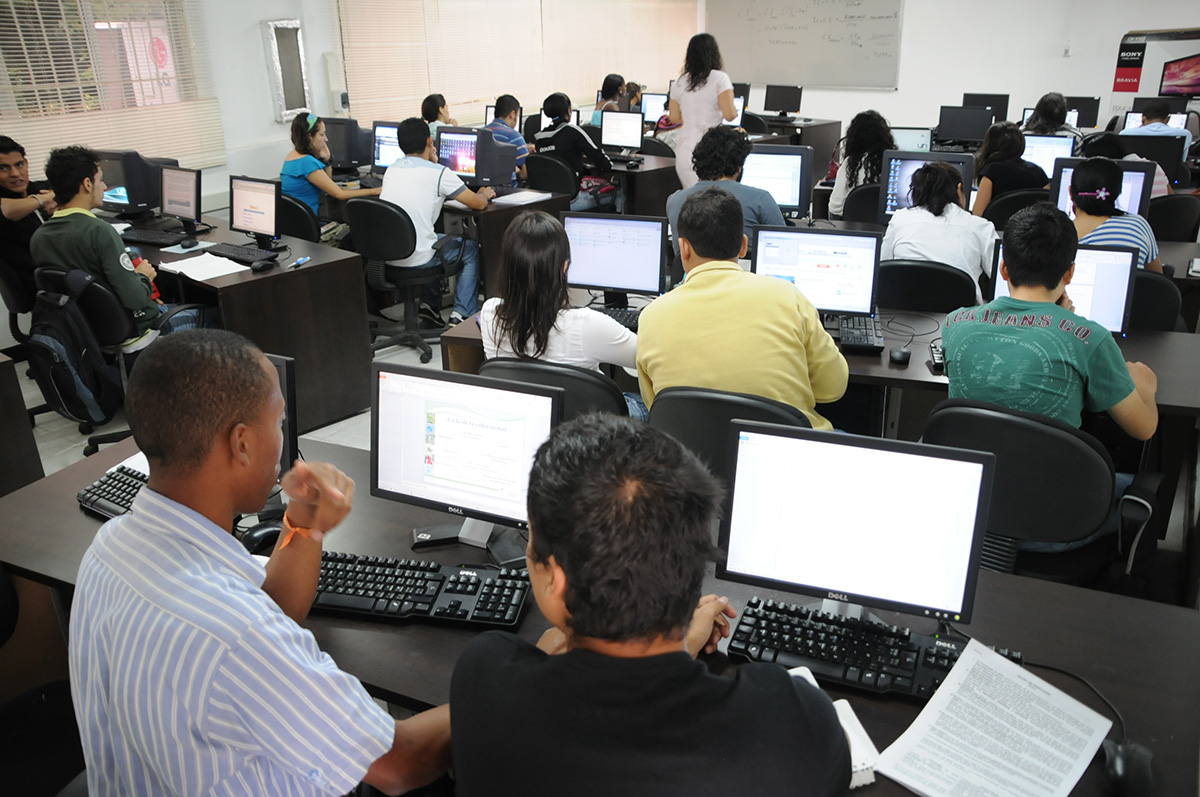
{"x": 300, "y": 262}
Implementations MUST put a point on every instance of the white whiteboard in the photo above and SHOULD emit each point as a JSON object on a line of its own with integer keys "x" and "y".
{"x": 818, "y": 43}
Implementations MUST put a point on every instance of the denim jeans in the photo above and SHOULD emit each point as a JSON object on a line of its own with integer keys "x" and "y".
{"x": 466, "y": 294}
{"x": 196, "y": 317}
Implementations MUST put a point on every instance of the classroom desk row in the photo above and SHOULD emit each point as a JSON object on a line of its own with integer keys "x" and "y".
{"x": 1140, "y": 654}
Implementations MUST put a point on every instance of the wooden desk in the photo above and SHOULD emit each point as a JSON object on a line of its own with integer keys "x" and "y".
{"x": 1180, "y": 255}
{"x": 1141, "y": 655}
{"x": 316, "y": 314}
{"x": 20, "y": 463}
{"x": 648, "y": 186}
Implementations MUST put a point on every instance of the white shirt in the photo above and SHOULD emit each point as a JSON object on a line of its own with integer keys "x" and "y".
{"x": 700, "y": 111}
{"x": 842, "y": 187}
{"x": 955, "y": 238}
{"x": 420, "y": 187}
{"x": 581, "y": 337}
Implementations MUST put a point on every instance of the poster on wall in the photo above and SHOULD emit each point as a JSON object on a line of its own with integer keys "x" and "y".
{"x": 1157, "y": 62}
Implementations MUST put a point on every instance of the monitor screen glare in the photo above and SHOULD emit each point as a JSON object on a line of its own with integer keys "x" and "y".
{"x": 616, "y": 253}
{"x": 900, "y": 168}
{"x": 621, "y": 129}
{"x": 387, "y": 147}
{"x": 653, "y": 107}
{"x": 1129, "y": 199}
{"x": 835, "y": 272}
{"x": 114, "y": 178}
{"x": 457, "y": 152}
{"x": 253, "y": 206}
{"x": 1044, "y": 150}
{"x": 1101, "y": 287}
{"x": 781, "y": 176}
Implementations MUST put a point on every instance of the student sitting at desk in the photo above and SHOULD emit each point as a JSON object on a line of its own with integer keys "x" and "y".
{"x": 570, "y": 144}
{"x": 305, "y": 172}
{"x": 20, "y": 211}
{"x": 1049, "y": 118}
{"x": 75, "y": 238}
{"x": 728, "y": 329}
{"x": 504, "y": 130}
{"x": 1095, "y": 186}
{"x": 610, "y": 90}
{"x": 999, "y": 167}
{"x": 937, "y": 228}
{"x": 718, "y": 161}
{"x": 436, "y": 113}
{"x": 1154, "y": 123}
{"x": 611, "y": 699}
{"x": 1109, "y": 145}
{"x": 532, "y": 317}
{"x": 189, "y": 671}
{"x": 861, "y": 159}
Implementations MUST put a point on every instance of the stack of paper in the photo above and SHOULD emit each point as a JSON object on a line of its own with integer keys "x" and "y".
{"x": 204, "y": 266}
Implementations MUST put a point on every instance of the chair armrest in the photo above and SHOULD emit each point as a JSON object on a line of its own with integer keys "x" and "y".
{"x": 1136, "y": 508}
{"x": 162, "y": 319}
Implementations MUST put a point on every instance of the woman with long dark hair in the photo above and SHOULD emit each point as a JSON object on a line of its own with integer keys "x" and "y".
{"x": 999, "y": 167}
{"x": 701, "y": 97}
{"x": 1095, "y": 186}
{"x": 306, "y": 172}
{"x": 610, "y": 92}
{"x": 532, "y": 318}
{"x": 868, "y": 135}
{"x": 1049, "y": 118}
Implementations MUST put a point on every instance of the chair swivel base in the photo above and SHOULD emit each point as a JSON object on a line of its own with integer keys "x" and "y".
{"x": 398, "y": 336}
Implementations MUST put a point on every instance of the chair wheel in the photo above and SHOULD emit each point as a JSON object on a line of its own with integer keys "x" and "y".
{"x": 85, "y": 428}
{"x": 426, "y": 356}
{"x": 89, "y": 450}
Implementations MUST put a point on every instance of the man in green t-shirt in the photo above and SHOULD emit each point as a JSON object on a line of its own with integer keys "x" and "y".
{"x": 1030, "y": 352}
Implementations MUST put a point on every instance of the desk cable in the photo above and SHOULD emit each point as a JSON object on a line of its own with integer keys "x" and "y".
{"x": 894, "y": 325}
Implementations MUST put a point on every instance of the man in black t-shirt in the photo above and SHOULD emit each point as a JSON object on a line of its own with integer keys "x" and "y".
{"x": 21, "y": 206}
{"x": 621, "y": 520}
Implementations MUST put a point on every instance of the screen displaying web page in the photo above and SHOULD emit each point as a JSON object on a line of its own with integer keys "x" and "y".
{"x": 1100, "y": 289}
{"x": 1129, "y": 199}
{"x": 1134, "y": 119}
{"x": 387, "y": 146}
{"x": 779, "y": 175}
{"x": 653, "y": 107}
{"x": 1044, "y": 150}
{"x": 739, "y": 104}
{"x": 614, "y": 253}
{"x": 253, "y": 207}
{"x": 834, "y": 272}
{"x": 179, "y": 193}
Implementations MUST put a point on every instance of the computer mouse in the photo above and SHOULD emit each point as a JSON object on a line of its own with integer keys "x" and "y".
{"x": 633, "y": 165}
{"x": 262, "y": 265}
{"x": 899, "y": 355}
{"x": 188, "y": 243}
{"x": 1129, "y": 768}
{"x": 259, "y": 538}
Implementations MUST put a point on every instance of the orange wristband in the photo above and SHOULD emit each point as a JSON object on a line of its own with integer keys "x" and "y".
{"x": 291, "y": 531}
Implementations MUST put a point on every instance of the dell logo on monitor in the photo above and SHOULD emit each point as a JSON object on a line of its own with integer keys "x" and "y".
{"x": 454, "y": 510}
{"x": 838, "y": 596}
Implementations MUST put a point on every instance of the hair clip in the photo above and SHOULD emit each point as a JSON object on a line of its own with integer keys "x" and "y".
{"x": 1100, "y": 193}
{"x": 312, "y": 120}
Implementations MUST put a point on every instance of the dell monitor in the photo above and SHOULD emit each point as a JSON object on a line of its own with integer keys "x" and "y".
{"x": 458, "y": 443}
{"x": 1137, "y": 181}
{"x": 489, "y": 113}
{"x": 913, "y": 139}
{"x": 653, "y": 107}
{"x": 133, "y": 182}
{"x": 621, "y": 130}
{"x": 1177, "y": 104}
{"x": 385, "y": 146}
{"x": 344, "y": 151}
{"x": 784, "y": 99}
{"x": 180, "y": 196}
{"x": 836, "y": 270}
{"x": 1101, "y": 288}
{"x": 1181, "y": 77}
{"x": 253, "y": 202}
{"x": 795, "y": 522}
{"x": 1044, "y": 150}
{"x": 285, "y": 370}
{"x": 1134, "y": 120}
{"x": 1087, "y": 110}
{"x": 739, "y": 105}
{"x": 964, "y": 124}
{"x": 785, "y": 172}
{"x": 895, "y": 191}
{"x": 997, "y": 102}
{"x": 617, "y": 254}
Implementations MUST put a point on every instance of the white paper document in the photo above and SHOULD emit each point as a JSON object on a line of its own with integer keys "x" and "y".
{"x": 204, "y": 266}
{"x": 993, "y": 728}
{"x": 520, "y": 198}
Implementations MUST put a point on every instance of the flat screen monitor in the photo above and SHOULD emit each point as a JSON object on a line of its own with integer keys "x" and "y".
{"x": 794, "y": 522}
{"x": 489, "y": 113}
{"x": 1181, "y": 77}
{"x": 458, "y": 443}
{"x": 1044, "y": 150}
{"x": 835, "y": 269}
{"x": 653, "y": 107}
{"x": 133, "y": 182}
{"x": 617, "y": 254}
{"x": 785, "y": 172}
{"x": 1134, "y": 119}
{"x": 957, "y": 123}
{"x": 1137, "y": 181}
{"x": 913, "y": 139}
{"x": 547, "y": 121}
{"x": 1166, "y": 151}
{"x": 458, "y": 150}
{"x": 1176, "y": 104}
{"x": 1102, "y": 288}
{"x": 896, "y": 178}
{"x": 252, "y": 206}
{"x": 285, "y": 369}
{"x": 343, "y": 135}
{"x": 784, "y": 99}
{"x": 997, "y": 102}
{"x": 180, "y": 195}
{"x": 739, "y": 104}
{"x": 1088, "y": 109}
{"x": 1072, "y": 117}
{"x": 742, "y": 90}
{"x": 620, "y": 130}
{"x": 385, "y": 146}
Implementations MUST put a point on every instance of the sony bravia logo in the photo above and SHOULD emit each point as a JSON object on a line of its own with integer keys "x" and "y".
{"x": 454, "y": 510}
{"x": 838, "y": 596}
{"x": 1133, "y": 54}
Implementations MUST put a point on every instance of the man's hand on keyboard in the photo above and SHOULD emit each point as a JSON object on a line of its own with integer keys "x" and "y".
{"x": 709, "y": 624}
{"x": 320, "y": 494}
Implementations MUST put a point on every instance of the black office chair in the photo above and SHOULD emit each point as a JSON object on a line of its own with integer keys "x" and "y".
{"x": 1112, "y": 124}
{"x": 923, "y": 286}
{"x": 862, "y": 204}
{"x": 593, "y": 132}
{"x": 753, "y": 123}
{"x": 532, "y": 126}
{"x": 653, "y": 146}
{"x": 383, "y": 231}
{"x": 699, "y": 418}
{"x": 1175, "y": 217}
{"x": 19, "y": 295}
{"x": 1000, "y": 209}
{"x": 1053, "y": 483}
{"x": 1156, "y": 303}
{"x": 586, "y": 391}
{"x": 293, "y": 217}
{"x": 548, "y": 173}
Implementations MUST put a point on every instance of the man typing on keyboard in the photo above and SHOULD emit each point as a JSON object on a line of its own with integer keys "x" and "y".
{"x": 621, "y": 519}
{"x": 189, "y": 672}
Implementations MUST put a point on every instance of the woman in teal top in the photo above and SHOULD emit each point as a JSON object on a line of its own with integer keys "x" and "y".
{"x": 304, "y": 174}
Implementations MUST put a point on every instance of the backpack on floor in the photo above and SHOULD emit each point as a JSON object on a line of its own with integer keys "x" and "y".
{"x": 66, "y": 361}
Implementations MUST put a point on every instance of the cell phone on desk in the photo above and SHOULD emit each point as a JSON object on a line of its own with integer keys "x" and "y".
{"x": 1194, "y": 267}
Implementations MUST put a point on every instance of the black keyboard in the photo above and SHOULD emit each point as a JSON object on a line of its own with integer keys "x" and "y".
{"x": 860, "y": 334}
{"x": 401, "y": 589}
{"x": 132, "y": 235}
{"x": 617, "y": 157}
{"x": 625, "y": 316}
{"x": 242, "y": 254}
{"x": 113, "y": 494}
{"x": 845, "y": 651}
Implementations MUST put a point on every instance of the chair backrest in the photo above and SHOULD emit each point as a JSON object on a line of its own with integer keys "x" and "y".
{"x": 293, "y": 217}
{"x": 532, "y": 126}
{"x": 753, "y": 123}
{"x": 18, "y": 294}
{"x": 924, "y": 286}
{"x": 1112, "y": 124}
{"x": 593, "y": 132}
{"x": 862, "y": 203}
{"x": 548, "y": 173}
{"x": 1156, "y": 303}
{"x": 653, "y": 146}
{"x": 699, "y": 418}
{"x": 1000, "y": 209}
{"x": 1052, "y": 483}
{"x": 382, "y": 231}
{"x": 111, "y": 323}
{"x": 1175, "y": 217}
{"x": 586, "y": 391}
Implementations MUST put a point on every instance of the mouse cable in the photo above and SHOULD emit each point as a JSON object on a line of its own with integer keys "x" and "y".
{"x": 894, "y": 319}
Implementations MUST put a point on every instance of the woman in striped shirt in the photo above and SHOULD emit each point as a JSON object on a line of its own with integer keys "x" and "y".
{"x": 1095, "y": 186}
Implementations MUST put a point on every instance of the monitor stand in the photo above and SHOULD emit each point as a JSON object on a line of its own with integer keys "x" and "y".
{"x": 784, "y": 116}
{"x": 504, "y": 544}
{"x": 617, "y": 299}
{"x": 268, "y": 243}
{"x": 189, "y": 227}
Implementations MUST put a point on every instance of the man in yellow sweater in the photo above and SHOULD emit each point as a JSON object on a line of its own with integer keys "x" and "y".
{"x": 726, "y": 329}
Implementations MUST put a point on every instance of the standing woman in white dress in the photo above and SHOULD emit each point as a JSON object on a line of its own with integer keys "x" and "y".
{"x": 701, "y": 98}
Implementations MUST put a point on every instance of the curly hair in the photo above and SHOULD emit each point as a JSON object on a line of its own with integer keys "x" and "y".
{"x": 720, "y": 153}
{"x": 866, "y": 139}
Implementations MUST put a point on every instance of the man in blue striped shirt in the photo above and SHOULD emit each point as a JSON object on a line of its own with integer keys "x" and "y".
{"x": 189, "y": 672}
{"x": 504, "y": 130}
